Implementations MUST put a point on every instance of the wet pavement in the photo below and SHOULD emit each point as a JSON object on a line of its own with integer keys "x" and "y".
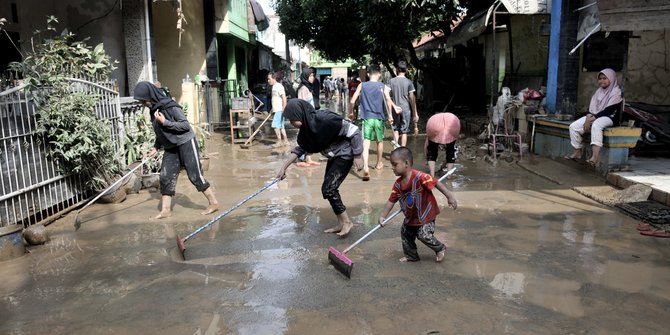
{"x": 526, "y": 256}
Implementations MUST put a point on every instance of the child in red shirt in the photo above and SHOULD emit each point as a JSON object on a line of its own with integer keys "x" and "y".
{"x": 414, "y": 189}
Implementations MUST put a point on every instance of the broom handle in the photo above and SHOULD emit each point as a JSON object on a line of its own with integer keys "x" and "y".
{"x": 115, "y": 183}
{"x": 389, "y": 218}
{"x": 251, "y": 138}
{"x": 230, "y": 210}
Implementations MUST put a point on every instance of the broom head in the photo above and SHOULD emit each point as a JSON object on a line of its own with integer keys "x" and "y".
{"x": 340, "y": 261}
{"x": 182, "y": 246}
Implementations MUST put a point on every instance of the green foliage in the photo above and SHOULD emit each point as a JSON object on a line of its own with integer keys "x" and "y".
{"x": 383, "y": 29}
{"x": 78, "y": 141}
{"x": 139, "y": 141}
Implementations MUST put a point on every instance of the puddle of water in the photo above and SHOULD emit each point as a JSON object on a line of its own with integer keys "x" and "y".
{"x": 509, "y": 284}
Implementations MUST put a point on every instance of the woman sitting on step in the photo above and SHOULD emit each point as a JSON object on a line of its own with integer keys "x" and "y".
{"x": 603, "y": 112}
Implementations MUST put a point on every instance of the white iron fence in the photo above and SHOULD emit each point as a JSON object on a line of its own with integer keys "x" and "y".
{"x": 32, "y": 190}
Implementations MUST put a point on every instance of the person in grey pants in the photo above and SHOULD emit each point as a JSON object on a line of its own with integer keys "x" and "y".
{"x": 175, "y": 136}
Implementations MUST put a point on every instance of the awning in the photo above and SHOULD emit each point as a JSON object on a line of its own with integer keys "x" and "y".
{"x": 629, "y": 15}
{"x": 621, "y": 15}
{"x": 471, "y": 27}
{"x": 527, "y": 6}
{"x": 260, "y": 18}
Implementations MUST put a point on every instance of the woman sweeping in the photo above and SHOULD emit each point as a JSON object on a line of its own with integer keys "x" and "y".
{"x": 175, "y": 136}
{"x": 335, "y": 138}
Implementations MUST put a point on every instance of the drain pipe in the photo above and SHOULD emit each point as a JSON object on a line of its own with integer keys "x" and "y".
{"x": 147, "y": 28}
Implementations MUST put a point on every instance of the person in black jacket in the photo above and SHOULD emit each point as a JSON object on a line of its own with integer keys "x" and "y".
{"x": 603, "y": 112}
{"x": 335, "y": 138}
{"x": 175, "y": 136}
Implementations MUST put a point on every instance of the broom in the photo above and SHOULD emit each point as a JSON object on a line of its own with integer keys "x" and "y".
{"x": 181, "y": 242}
{"x": 247, "y": 144}
{"x": 77, "y": 223}
{"x": 341, "y": 262}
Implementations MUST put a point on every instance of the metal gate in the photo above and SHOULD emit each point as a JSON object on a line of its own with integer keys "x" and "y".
{"x": 32, "y": 190}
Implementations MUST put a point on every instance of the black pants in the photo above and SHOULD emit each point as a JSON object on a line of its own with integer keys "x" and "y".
{"x": 433, "y": 149}
{"x": 186, "y": 155}
{"x": 424, "y": 233}
{"x": 336, "y": 170}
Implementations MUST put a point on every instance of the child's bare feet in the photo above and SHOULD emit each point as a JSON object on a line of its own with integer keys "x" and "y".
{"x": 346, "y": 228}
{"x": 336, "y": 229}
{"x": 440, "y": 254}
{"x": 163, "y": 215}
{"x": 210, "y": 209}
{"x": 379, "y": 166}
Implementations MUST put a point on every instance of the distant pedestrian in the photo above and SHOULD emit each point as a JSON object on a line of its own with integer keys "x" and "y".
{"x": 353, "y": 84}
{"x": 278, "y": 103}
{"x": 402, "y": 94}
{"x": 176, "y": 137}
{"x": 374, "y": 107}
{"x": 337, "y": 139}
{"x": 316, "y": 91}
{"x": 305, "y": 93}
{"x": 414, "y": 190}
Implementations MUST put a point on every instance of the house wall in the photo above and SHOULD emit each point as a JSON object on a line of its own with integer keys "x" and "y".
{"x": 647, "y": 74}
{"x": 172, "y": 61}
{"x": 100, "y": 20}
{"x": 530, "y": 47}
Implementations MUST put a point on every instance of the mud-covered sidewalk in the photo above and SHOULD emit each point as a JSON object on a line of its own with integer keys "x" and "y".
{"x": 526, "y": 256}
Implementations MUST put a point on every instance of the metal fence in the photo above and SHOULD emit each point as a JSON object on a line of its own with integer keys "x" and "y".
{"x": 33, "y": 190}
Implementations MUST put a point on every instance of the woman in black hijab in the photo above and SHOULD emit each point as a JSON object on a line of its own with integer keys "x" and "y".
{"x": 175, "y": 136}
{"x": 335, "y": 138}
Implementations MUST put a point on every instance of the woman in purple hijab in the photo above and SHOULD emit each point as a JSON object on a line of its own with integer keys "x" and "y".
{"x": 603, "y": 112}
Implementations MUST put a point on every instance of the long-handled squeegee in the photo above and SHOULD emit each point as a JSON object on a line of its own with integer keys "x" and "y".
{"x": 181, "y": 242}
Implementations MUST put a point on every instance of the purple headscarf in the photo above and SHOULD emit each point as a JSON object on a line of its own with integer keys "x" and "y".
{"x": 608, "y": 96}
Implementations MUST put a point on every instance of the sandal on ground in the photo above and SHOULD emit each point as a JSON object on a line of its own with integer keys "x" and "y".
{"x": 302, "y": 164}
{"x": 644, "y": 226}
{"x": 570, "y": 157}
{"x": 366, "y": 176}
{"x": 655, "y": 233}
{"x": 592, "y": 163}
{"x": 440, "y": 254}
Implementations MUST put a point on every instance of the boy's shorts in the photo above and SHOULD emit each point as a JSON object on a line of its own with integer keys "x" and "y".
{"x": 401, "y": 122}
{"x": 373, "y": 130}
{"x": 278, "y": 120}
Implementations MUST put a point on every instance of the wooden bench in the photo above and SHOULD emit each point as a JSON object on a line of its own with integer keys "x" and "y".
{"x": 552, "y": 139}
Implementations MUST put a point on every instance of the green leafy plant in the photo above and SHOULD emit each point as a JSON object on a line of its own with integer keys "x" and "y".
{"x": 139, "y": 141}
{"x": 78, "y": 141}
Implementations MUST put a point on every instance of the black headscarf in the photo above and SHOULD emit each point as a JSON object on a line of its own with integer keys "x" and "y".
{"x": 304, "y": 79}
{"x": 149, "y": 92}
{"x": 318, "y": 130}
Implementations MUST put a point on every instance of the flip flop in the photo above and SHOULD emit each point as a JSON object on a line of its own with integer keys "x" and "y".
{"x": 655, "y": 233}
{"x": 569, "y": 157}
{"x": 591, "y": 163}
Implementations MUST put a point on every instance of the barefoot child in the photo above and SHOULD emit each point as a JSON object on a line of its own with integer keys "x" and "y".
{"x": 335, "y": 138}
{"x": 414, "y": 189}
{"x": 175, "y": 136}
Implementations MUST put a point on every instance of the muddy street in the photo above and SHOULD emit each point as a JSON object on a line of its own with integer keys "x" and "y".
{"x": 525, "y": 256}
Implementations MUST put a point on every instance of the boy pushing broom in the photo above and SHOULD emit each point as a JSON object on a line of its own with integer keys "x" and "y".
{"x": 414, "y": 190}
